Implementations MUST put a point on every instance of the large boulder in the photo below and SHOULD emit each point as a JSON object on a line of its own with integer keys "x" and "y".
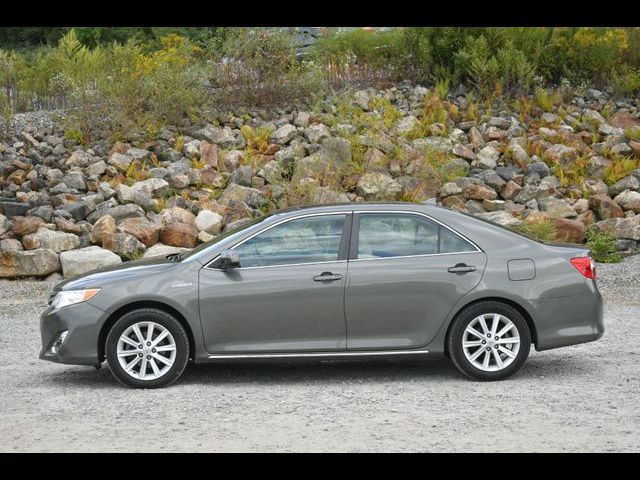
{"x": 623, "y": 228}
{"x": 570, "y": 230}
{"x": 25, "y": 225}
{"x": 557, "y": 207}
{"x": 153, "y": 187}
{"x": 488, "y": 157}
{"x": 162, "y": 250}
{"x": 123, "y": 244}
{"x": 604, "y": 207}
{"x": 142, "y": 229}
{"x": 629, "y": 200}
{"x": 378, "y": 186}
{"x": 77, "y": 262}
{"x": 50, "y": 239}
{"x": 130, "y": 195}
{"x": 38, "y": 263}
{"x": 500, "y": 217}
{"x": 176, "y": 215}
{"x": 235, "y": 193}
{"x": 180, "y": 235}
{"x": 210, "y": 222}
{"x": 104, "y": 226}
{"x": 284, "y": 134}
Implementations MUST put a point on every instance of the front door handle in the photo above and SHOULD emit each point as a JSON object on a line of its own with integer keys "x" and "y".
{"x": 461, "y": 268}
{"x": 327, "y": 277}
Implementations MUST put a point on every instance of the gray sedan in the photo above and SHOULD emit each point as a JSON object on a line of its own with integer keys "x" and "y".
{"x": 328, "y": 282}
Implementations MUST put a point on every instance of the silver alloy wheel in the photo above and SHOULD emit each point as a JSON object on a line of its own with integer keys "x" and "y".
{"x": 491, "y": 342}
{"x": 146, "y": 350}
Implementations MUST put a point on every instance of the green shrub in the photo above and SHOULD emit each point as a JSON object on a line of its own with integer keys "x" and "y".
{"x": 543, "y": 230}
{"x": 603, "y": 246}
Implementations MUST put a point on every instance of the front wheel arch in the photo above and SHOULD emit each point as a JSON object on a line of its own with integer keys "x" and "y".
{"x": 115, "y": 316}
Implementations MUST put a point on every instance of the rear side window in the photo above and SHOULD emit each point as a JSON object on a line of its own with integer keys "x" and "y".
{"x": 382, "y": 235}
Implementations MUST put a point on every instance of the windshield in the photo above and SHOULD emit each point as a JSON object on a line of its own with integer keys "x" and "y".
{"x": 226, "y": 236}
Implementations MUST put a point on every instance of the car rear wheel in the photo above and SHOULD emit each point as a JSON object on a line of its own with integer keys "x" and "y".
{"x": 489, "y": 341}
{"x": 147, "y": 348}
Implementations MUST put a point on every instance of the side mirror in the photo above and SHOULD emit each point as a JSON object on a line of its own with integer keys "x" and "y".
{"x": 229, "y": 259}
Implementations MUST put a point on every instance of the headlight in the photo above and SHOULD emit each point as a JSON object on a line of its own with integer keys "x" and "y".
{"x": 70, "y": 297}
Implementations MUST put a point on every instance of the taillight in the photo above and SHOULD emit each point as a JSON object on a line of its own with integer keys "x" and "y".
{"x": 586, "y": 266}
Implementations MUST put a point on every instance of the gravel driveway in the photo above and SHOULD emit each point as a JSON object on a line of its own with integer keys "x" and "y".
{"x": 581, "y": 398}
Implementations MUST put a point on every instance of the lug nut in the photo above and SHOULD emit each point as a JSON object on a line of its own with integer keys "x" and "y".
{"x": 140, "y": 355}
{"x": 148, "y": 344}
{"x": 488, "y": 349}
{"x": 488, "y": 335}
{"x": 497, "y": 338}
{"x": 140, "y": 346}
{"x": 497, "y": 346}
{"x": 484, "y": 341}
{"x": 153, "y": 350}
{"x": 148, "y": 357}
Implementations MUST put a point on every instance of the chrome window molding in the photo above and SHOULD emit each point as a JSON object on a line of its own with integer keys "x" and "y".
{"x": 348, "y": 212}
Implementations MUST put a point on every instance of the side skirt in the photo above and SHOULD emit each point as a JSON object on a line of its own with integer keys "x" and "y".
{"x": 378, "y": 353}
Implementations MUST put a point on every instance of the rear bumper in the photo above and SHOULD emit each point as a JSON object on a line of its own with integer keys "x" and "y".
{"x": 570, "y": 320}
{"x": 79, "y": 345}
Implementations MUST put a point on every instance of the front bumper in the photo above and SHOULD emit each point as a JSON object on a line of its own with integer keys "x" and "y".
{"x": 570, "y": 320}
{"x": 82, "y": 323}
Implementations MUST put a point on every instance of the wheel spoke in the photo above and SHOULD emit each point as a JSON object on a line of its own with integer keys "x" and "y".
{"x": 128, "y": 341}
{"x": 507, "y": 352}
{"x": 155, "y": 368}
{"x": 494, "y": 324}
{"x": 143, "y": 367}
{"x": 472, "y": 343}
{"x": 505, "y": 329}
{"x": 496, "y": 355}
{"x": 164, "y": 360}
{"x": 476, "y": 354}
{"x": 473, "y": 331}
{"x": 127, "y": 353}
{"x": 166, "y": 348}
{"x": 487, "y": 357}
{"x": 139, "y": 336}
{"x": 483, "y": 324}
{"x": 150, "y": 328}
{"x": 159, "y": 338}
{"x": 133, "y": 363}
{"x": 503, "y": 341}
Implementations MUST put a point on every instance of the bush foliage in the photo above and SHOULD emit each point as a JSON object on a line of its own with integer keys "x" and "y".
{"x": 140, "y": 77}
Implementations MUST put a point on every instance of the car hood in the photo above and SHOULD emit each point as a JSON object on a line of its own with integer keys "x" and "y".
{"x": 122, "y": 271}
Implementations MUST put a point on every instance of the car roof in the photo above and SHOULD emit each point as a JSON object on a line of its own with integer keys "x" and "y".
{"x": 345, "y": 207}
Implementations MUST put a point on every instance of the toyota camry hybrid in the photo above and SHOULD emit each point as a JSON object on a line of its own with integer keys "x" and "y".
{"x": 329, "y": 282}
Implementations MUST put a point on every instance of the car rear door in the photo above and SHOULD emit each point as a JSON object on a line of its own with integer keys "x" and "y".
{"x": 406, "y": 271}
{"x": 287, "y": 295}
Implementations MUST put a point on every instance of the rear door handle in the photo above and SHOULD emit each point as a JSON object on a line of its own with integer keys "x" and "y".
{"x": 461, "y": 268}
{"x": 327, "y": 277}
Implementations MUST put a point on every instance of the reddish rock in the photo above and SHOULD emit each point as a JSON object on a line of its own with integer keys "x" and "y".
{"x": 119, "y": 147}
{"x": 479, "y": 192}
{"x": 587, "y": 218}
{"x": 26, "y": 225}
{"x": 180, "y": 235}
{"x": 18, "y": 177}
{"x": 635, "y": 147}
{"x": 623, "y": 120}
{"x": 510, "y": 190}
{"x": 605, "y": 207}
{"x": 144, "y": 230}
{"x": 104, "y": 226}
{"x": 572, "y": 231}
{"x": 209, "y": 153}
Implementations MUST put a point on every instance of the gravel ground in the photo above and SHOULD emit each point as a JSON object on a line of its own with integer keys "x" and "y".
{"x": 581, "y": 398}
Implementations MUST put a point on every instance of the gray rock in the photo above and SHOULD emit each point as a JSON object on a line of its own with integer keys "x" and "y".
{"x": 324, "y": 195}
{"x": 210, "y": 222}
{"x": 161, "y": 250}
{"x": 38, "y": 263}
{"x": 50, "y": 240}
{"x": 242, "y": 176}
{"x": 378, "y": 186}
{"x": 488, "y": 157}
{"x": 500, "y": 217}
{"x": 10, "y": 244}
{"x": 449, "y": 189}
{"x": 316, "y": 133}
{"x": 627, "y": 228}
{"x": 629, "y": 200}
{"x": 219, "y": 136}
{"x": 627, "y": 183}
{"x": 235, "y": 193}
{"x": 557, "y": 208}
{"x": 77, "y": 262}
{"x": 284, "y": 134}
{"x": 5, "y": 225}
{"x": 129, "y": 195}
{"x": 152, "y": 187}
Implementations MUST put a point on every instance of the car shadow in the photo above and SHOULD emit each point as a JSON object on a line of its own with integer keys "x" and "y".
{"x": 277, "y": 372}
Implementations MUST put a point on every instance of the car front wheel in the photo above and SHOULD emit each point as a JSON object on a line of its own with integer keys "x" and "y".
{"x": 147, "y": 348}
{"x": 489, "y": 341}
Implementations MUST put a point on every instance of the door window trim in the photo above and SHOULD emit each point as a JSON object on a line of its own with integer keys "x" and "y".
{"x": 355, "y": 231}
{"x": 343, "y": 251}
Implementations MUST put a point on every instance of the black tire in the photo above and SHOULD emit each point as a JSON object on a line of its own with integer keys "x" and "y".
{"x": 464, "y": 318}
{"x": 159, "y": 317}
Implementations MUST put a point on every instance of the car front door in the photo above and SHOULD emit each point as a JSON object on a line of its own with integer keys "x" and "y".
{"x": 406, "y": 272}
{"x": 288, "y": 293}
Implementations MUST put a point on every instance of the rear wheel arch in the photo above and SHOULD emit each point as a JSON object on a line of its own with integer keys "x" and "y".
{"x": 519, "y": 308}
{"x": 115, "y": 316}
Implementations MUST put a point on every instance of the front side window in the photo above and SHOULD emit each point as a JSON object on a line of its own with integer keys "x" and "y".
{"x": 384, "y": 235}
{"x": 304, "y": 240}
